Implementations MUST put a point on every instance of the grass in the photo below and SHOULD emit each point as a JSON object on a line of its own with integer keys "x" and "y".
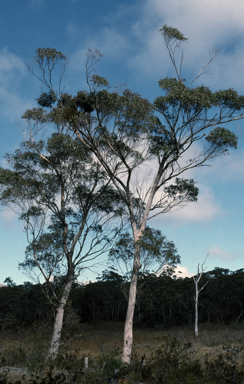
{"x": 216, "y": 351}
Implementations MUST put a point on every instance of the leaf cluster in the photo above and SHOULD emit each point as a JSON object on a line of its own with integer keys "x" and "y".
{"x": 197, "y": 99}
{"x": 170, "y": 33}
{"x": 183, "y": 187}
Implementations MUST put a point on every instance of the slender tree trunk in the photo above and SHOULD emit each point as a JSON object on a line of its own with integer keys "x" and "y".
{"x": 128, "y": 330}
{"x": 58, "y": 324}
{"x": 196, "y": 313}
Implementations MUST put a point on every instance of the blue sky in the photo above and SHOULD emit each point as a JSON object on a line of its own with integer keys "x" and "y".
{"x": 126, "y": 32}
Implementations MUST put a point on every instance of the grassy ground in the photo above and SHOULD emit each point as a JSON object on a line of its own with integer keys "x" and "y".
{"x": 27, "y": 347}
{"x": 95, "y": 338}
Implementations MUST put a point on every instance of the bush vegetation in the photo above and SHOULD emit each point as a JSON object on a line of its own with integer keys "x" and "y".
{"x": 174, "y": 355}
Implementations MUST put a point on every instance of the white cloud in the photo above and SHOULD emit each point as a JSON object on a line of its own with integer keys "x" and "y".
{"x": 225, "y": 169}
{"x": 111, "y": 43}
{"x": 13, "y": 72}
{"x": 208, "y": 25}
{"x": 206, "y": 209}
{"x": 13, "y": 105}
{"x": 36, "y": 3}
{"x": 71, "y": 30}
{"x": 221, "y": 254}
{"x": 182, "y": 272}
{"x": 11, "y": 66}
{"x": 4, "y": 163}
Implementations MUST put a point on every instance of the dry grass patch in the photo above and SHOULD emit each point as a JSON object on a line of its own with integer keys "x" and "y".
{"x": 27, "y": 347}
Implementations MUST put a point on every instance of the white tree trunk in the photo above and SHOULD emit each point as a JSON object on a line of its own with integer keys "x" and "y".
{"x": 196, "y": 281}
{"x": 196, "y": 312}
{"x": 58, "y": 324}
{"x": 128, "y": 330}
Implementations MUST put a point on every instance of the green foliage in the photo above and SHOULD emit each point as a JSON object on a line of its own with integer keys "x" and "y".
{"x": 35, "y": 114}
{"x": 229, "y": 99}
{"x": 164, "y": 302}
{"x": 84, "y": 101}
{"x": 98, "y": 80}
{"x": 109, "y": 362}
{"x": 9, "y": 321}
{"x": 174, "y": 363}
{"x": 111, "y": 276}
{"x": 155, "y": 251}
{"x": 182, "y": 188}
{"x": 225, "y": 368}
{"x": 188, "y": 99}
{"x": 170, "y": 33}
{"x": 9, "y": 282}
{"x": 128, "y": 112}
{"x": 49, "y": 54}
{"x": 47, "y": 99}
{"x": 196, "y": 99}
{"x": 34, "y": 186}
{"x": 222, "y": 138}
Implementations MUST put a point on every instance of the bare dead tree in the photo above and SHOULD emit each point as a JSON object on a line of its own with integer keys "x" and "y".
{"x": 196, "y": 279}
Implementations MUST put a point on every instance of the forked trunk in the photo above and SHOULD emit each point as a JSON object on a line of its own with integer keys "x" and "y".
{"x": 58, "y": 324}
{"x": 128, "y": 330}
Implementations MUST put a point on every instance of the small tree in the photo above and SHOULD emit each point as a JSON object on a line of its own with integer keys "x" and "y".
{"x": 9, "y": 281}
{"x": 196, "y": 279}
{"x": 68, "y": 208}
{"x": 129, "y": 136}
{"x": 158, "y": 256}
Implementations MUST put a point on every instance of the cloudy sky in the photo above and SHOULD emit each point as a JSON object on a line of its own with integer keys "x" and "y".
{"x": 126, "y": 32}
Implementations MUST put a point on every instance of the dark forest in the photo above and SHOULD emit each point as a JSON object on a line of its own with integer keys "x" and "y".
{"x": 161, "y": 301}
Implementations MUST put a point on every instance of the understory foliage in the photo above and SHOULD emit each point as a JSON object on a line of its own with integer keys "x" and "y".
{"x": 174, "y": 362}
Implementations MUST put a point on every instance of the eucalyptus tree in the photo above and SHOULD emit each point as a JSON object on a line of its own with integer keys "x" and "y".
{"x": 144, "y": 148}
{"x": 71, "y": 213}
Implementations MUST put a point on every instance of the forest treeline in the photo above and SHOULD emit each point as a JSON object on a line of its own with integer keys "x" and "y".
{"x": 161, "y": 301}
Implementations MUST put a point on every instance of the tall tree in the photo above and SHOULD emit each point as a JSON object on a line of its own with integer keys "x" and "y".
{"x": 129, "y": 136}
{"x": 68, "y": 208}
